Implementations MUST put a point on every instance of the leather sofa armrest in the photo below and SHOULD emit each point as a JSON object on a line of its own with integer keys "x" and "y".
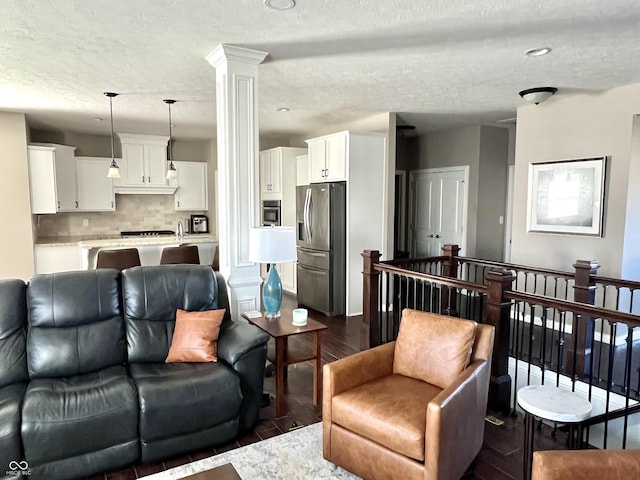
{"x": 455, "y": 423}
{"x": 585, "y": 464}
{"x": 348, "y": 373}
{"x": 244, "y": 347}
{"x": 237, "y": 338}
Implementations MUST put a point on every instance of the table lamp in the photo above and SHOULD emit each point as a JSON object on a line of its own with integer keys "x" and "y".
{"x": 272, "y": 245}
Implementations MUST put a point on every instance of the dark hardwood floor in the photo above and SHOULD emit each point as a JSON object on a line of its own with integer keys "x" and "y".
{"x": 500, "y": 458}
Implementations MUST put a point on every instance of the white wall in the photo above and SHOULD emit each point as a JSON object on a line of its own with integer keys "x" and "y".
{"x": 579, "y": 126}
{"x": 16, "y": 243}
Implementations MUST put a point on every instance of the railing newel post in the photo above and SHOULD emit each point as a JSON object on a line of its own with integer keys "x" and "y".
{"x": 498, "y": 314}
{"x": 450, "y": 270}
{"x": 370, "y": 309}
{"x": 584, "y": 291}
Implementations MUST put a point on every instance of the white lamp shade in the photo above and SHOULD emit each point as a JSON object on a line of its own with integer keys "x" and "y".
{"x": 172, "y": 173}
{"x": 114, "y": 172}
{"x": 272, "y": 244}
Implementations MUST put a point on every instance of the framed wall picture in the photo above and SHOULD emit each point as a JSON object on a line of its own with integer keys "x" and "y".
{"x": 567, "y": 196}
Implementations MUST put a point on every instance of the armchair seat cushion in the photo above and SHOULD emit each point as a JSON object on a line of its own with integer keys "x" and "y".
{"x": 391, "y": 411}
{"x": 183, "y": 398}
{"x": 73, "y": 416}
{"x": 10, "y": 404}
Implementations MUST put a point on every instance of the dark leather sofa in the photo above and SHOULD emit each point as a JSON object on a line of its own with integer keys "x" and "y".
{"x": 89, "y": 390}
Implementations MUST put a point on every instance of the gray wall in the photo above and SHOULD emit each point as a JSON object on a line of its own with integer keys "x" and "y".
{"x": 492, "y": 192}
{"x": 580, "y": 126}
{"x": 485, "y": 150}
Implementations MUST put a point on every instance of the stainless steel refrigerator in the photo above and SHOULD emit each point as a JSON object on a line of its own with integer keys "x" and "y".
{"x": 321, "y": 224}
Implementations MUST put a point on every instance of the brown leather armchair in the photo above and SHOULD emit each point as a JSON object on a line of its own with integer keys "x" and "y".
{"x": 413, "y": 408}
{"x": 585, "y": 464}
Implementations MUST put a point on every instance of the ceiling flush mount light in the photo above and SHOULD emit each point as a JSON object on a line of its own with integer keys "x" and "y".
{"x": 538, "y": 95}
{"x": 282, "y": 109}
{"x": 114, "y": 170}
{"x": 280, "y": 4}
{"x": 537, "y": 52}
{"x": 171, "y": 171}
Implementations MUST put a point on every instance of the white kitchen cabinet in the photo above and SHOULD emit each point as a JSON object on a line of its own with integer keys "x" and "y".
{"x": 270, "y": 165}
{"x": 52, "y": 178}
{"x": 192, "y": 186}
{"x": 328, "y": 158}
{"x": 95, "y": 189}
{"x": 278, "y": 173}
{"x": 302, "y": 170}
{"x": 144, "y": 160}
{"x": 57, "y": 258}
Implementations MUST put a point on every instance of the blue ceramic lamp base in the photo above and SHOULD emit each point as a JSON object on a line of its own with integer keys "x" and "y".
{"x": 272, "y": 293}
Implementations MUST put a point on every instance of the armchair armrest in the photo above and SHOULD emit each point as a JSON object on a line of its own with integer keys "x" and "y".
{"x": 585, "y": 464}
{"x": 354, "y": 370}
{"x": 348, "y": 373}
{"x": 244, "y": 347}
{"x": 455, "y": 423}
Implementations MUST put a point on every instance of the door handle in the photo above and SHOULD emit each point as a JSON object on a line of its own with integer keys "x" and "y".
{"x": 437, "y": 236}
{"x": 430, "y": 235}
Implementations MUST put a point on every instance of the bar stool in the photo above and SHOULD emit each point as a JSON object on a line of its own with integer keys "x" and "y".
{"x": 182, "y": 254}
{"x": 118, "y": 259}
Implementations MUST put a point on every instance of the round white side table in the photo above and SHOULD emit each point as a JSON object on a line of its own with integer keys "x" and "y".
{"x": 551, "y": 403}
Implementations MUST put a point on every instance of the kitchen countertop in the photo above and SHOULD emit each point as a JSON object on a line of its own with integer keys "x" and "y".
{"x": 105, "y": 241}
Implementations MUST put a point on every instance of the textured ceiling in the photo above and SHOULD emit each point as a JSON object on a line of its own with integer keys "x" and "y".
{"x": 439, "y": 63}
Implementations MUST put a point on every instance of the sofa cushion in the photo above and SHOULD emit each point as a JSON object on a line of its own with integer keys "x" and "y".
{"x": 75, "y": 323}
{"x": 152, "y": 295}
{"x": 374, "y": 410}
{"x": 10, "y": 406}
{"x": 13, "y": 327}
{"x": 181, "y": 398}
{"x": 195, "y": 337}
{"x": 433, "y": 348}
{"x": 67, "y": 417}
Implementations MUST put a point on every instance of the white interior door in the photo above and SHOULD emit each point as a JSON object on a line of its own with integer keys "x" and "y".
{"x": 438, "y": 205}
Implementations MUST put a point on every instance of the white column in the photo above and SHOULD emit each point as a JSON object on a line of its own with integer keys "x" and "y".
{"x": 238, "y": 190}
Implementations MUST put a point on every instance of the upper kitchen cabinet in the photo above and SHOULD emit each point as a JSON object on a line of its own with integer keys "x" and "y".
{"x": 276, "y": 165}
{"x": 191, "y": 183}
{"x": 144, "y": 164}
{"x": 52, "y": 178}
{"x": 95, "y": 189}
{"x": 328, "y": 158}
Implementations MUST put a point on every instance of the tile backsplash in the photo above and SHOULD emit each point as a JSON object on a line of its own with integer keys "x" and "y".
{"x": 133, "y": 212}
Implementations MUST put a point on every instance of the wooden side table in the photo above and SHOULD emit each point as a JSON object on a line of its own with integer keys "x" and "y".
{"x": 550, "y": 403}
{"x": 281, "y": 329}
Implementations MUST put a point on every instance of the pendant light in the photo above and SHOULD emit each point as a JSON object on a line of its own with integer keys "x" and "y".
{"x": 171, "y": 171}
{"x": 114, "y": 170}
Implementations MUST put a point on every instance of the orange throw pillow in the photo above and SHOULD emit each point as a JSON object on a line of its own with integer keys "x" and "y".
{"x": 195, "y": 337}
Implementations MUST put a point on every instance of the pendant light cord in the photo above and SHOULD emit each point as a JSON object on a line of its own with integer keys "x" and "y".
{"x": 113, "y": 155}
{"x": 172, "y": 168}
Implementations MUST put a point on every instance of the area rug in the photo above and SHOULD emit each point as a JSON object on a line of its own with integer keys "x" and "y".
{"x": 295, "y": 455}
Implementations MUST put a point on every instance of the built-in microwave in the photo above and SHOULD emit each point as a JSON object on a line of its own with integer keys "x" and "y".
{"x": 271, "y": 212}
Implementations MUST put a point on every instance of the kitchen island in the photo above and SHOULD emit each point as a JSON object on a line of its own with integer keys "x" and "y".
{"x": 59, "y": 254}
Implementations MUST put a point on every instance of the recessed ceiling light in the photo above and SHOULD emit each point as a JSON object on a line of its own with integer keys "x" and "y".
{"x": 282, "y": 109}
{"x": 98, "y": 119}
{"x": 537, "y": 52}
{"x": 280, "y": 4}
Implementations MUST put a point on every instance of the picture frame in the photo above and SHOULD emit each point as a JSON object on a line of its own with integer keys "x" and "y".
{"x": 567, "y": 196}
